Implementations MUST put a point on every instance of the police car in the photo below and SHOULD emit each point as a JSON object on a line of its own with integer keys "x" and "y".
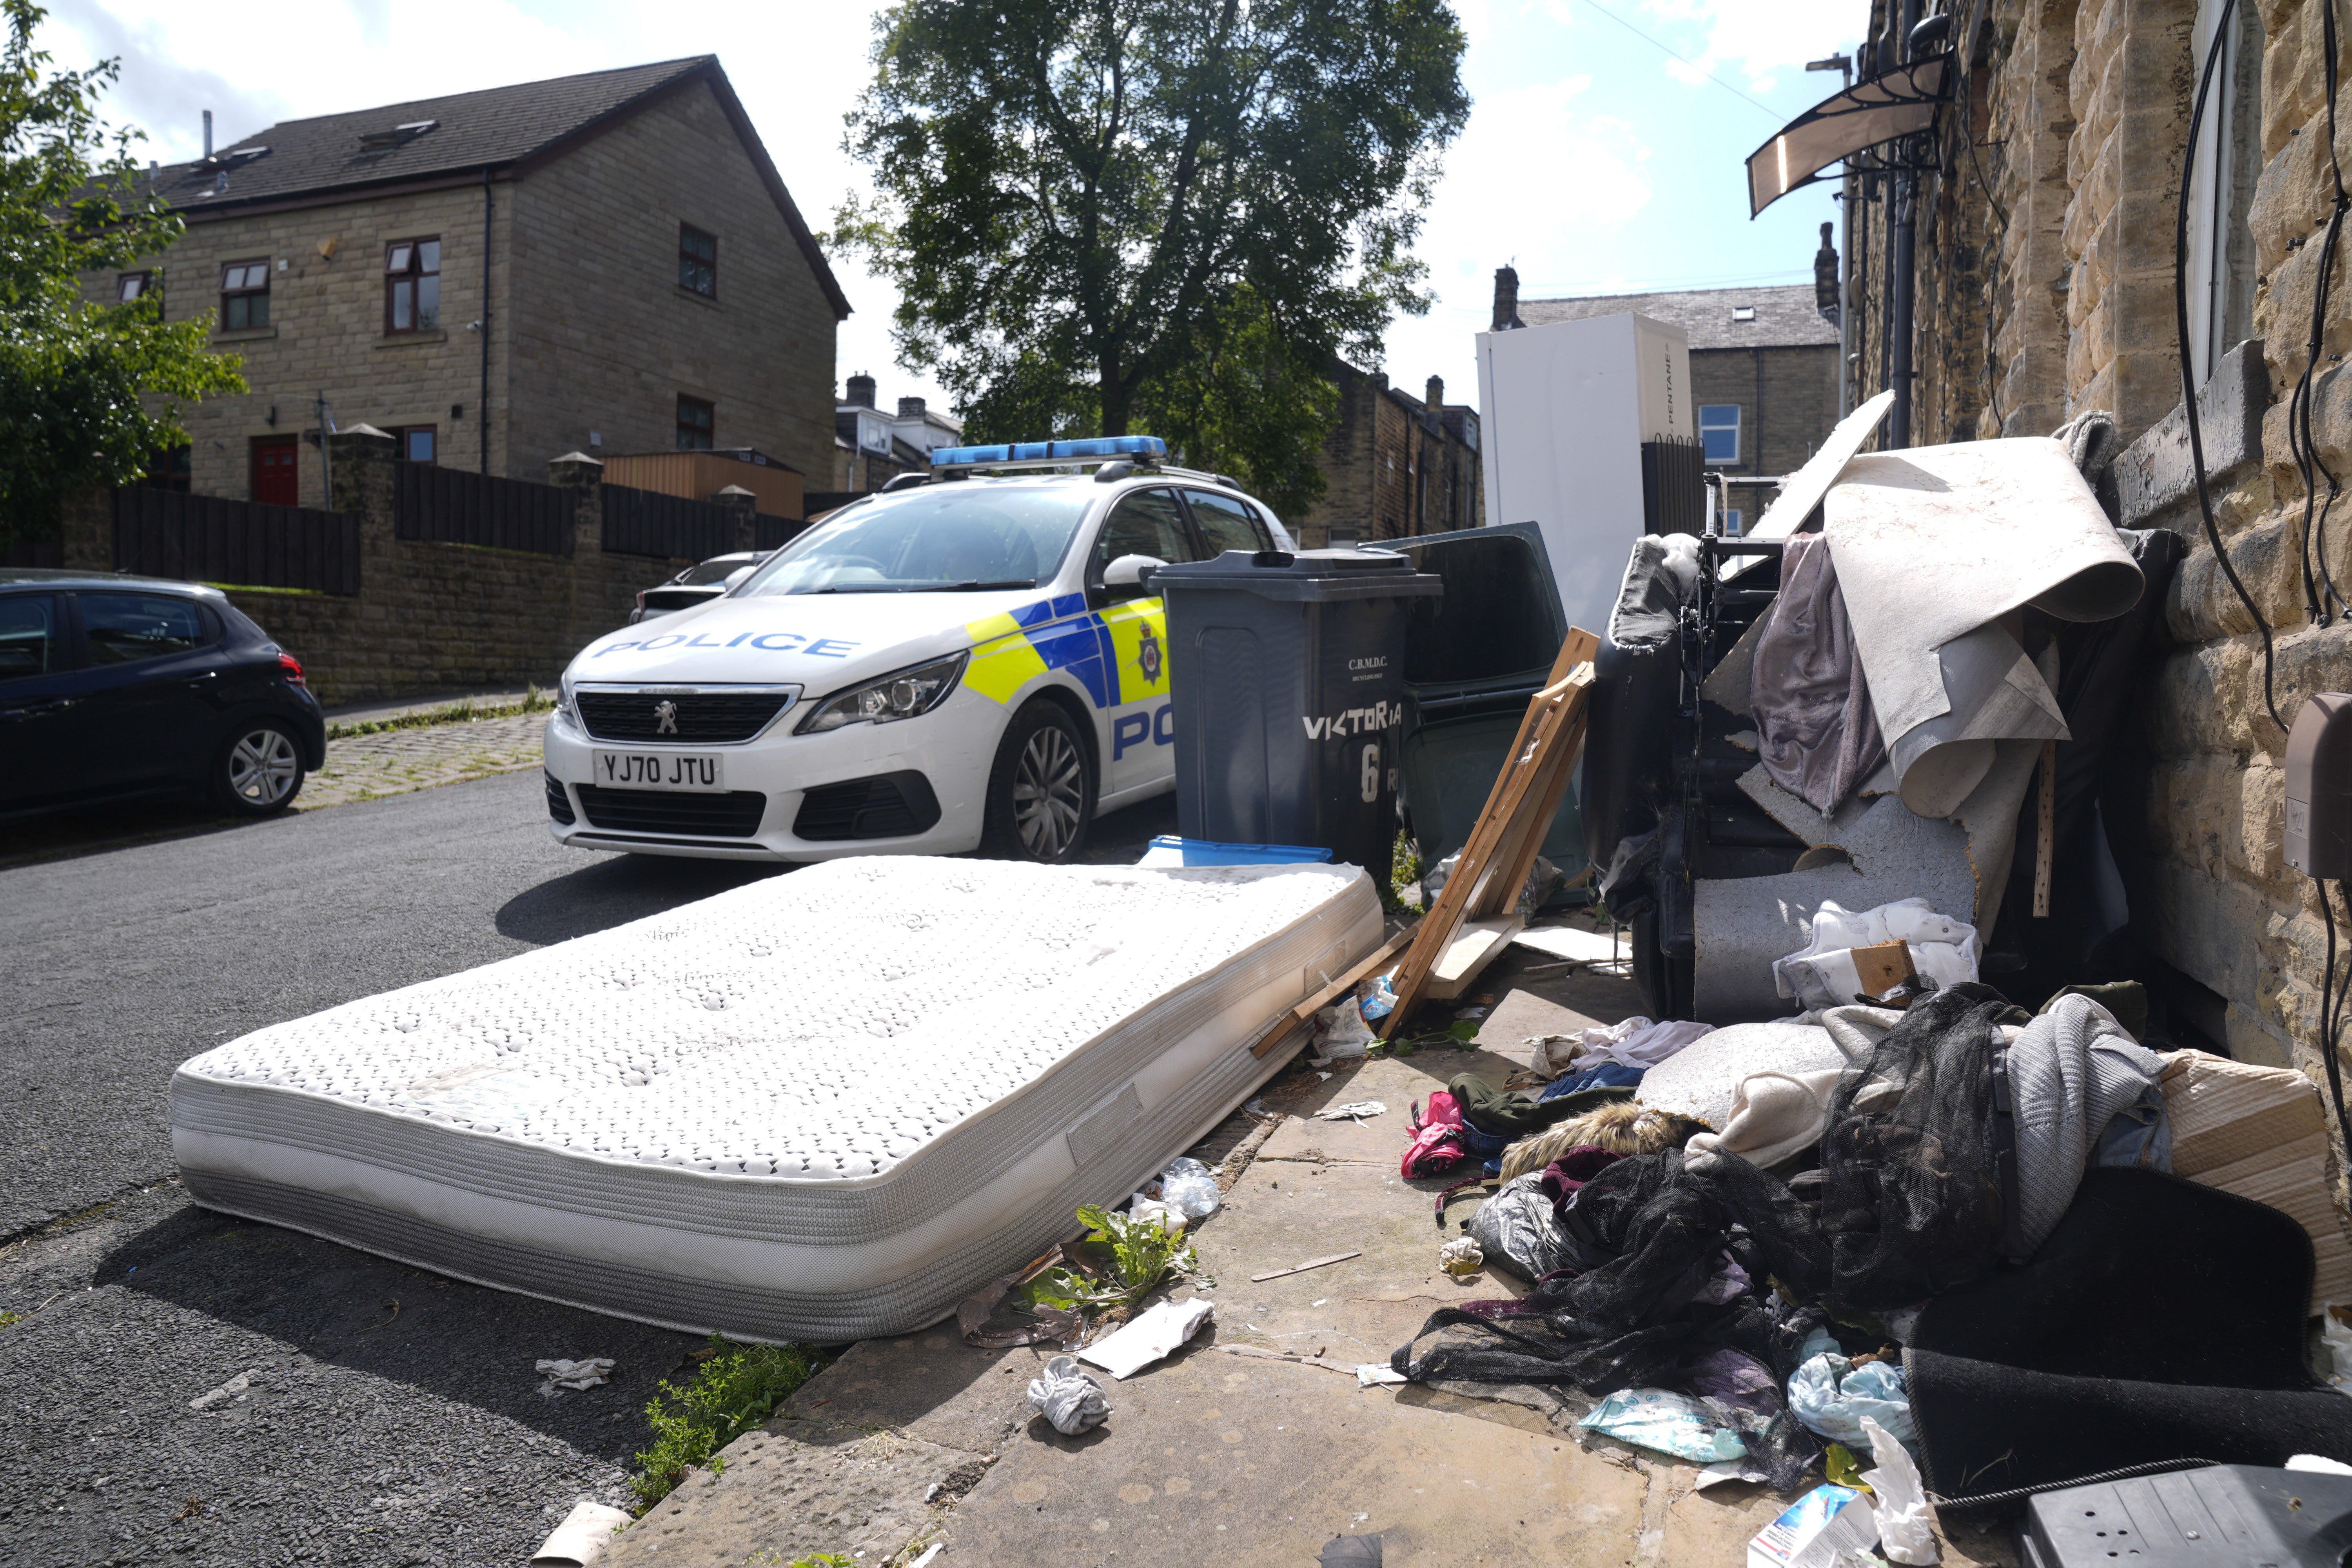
{"x": 968, "y": 660}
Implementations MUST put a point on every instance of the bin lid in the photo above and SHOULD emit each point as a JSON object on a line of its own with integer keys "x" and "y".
{"x": 1317, "y": 576}
{"x": 1500, "y": 625}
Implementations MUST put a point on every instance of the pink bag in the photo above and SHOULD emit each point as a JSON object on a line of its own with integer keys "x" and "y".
{"x": 1436, "y": 1146}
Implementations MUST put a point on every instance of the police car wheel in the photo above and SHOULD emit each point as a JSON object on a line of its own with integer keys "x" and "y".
{"x": 258, "y": 770}
{"x": 1041, "y": 792}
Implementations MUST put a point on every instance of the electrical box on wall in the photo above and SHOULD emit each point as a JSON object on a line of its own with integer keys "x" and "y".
{"x": 1564, "y": 410}
{"x": 2319, "y": 788}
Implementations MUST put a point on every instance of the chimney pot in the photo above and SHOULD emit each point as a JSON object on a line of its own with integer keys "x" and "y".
{"x": 208, "y": 133}
{"x": 1436, "y": 393}
{"x": 861, "y": 390}
{"x": 1507, "y": 298}
{"x": 910, "y": 409}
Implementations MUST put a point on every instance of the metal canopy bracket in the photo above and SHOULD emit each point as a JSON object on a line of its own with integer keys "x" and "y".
{"x": 1872, "y": 112}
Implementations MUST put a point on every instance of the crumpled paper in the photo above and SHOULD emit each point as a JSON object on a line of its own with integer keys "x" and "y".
{"x": 1150, "y": 1337}
{"x": 1905, "y": 1529}
{"x": 574, "y": 1374}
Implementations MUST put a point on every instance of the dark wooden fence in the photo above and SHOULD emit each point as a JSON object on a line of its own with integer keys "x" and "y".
{"x": 41, "y": 553}
{"x": 647, "y": 522}
{"x": 449, "y": 506}
{"x": 210, "y": 539}
{"x": 769, "y": 532}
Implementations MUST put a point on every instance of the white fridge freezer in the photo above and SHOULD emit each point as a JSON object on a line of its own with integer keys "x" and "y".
{"x": 1565, "y": 408}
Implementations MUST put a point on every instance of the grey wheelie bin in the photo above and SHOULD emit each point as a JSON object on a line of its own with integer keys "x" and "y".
{"x": 1288, "y": 673}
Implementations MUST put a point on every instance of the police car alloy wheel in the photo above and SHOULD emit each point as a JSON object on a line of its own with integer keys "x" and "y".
{"x": 259, "y": 770}
{"x": 1041, "y": 793}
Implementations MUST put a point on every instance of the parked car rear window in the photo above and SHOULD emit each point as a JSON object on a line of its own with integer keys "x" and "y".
{"x": 122, "y": 627}
{"x": 1226, "y": 524}
{"x": 28, "y": 635}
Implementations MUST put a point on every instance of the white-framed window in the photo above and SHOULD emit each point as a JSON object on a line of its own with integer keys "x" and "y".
{"x": 2222, "y": 186}
{"x": 1718, "y": 432}
{"x": 1734, "y": 522}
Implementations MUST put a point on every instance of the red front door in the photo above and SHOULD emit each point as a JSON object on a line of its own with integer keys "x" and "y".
{"x": 277, "y": 480}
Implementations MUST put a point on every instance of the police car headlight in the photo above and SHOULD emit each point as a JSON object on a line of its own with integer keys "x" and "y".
{"x": 902, "y": 694}
{"x": 563, "y": 703}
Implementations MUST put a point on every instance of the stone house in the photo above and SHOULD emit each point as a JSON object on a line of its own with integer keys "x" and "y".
{"x": 1763, "y": 365}
{"x": 599, "y": 263}
{"x": 870, "y": 447}
{"x": 1395, "y": 466}
{"x": 2044, "y": 282}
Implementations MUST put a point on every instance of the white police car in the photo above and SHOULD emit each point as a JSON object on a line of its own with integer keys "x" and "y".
{"x": 966, "y": 661}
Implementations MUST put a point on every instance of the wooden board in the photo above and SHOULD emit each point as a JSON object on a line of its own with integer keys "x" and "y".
{"x": 1476, "y": 944}
{"x": 1300, "y": 1024}
{"x": 1523, "y": 842}
{"x": 2045, "y": 837}
{"x": 1303, "y": 1268}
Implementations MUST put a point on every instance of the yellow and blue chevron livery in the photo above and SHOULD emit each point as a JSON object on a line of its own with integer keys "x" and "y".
{"x": 1118, "y": 655}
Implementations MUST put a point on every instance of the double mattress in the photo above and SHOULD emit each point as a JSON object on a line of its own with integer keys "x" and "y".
{"x": 828, "y": 1105}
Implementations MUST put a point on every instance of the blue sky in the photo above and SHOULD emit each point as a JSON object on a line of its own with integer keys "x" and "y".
{"x": 1595, "y": 160}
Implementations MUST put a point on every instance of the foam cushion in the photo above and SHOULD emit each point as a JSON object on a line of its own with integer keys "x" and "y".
{"x": 825, "y": 1105}
{"x": 1703, "y": 1079}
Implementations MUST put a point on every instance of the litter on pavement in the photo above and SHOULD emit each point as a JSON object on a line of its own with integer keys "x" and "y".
{"x": 555, "y": 1376}
{"x": 1068, "y": 1397}
{"x": 1156, "y": 1333}
{"x": 582, "y": 1538}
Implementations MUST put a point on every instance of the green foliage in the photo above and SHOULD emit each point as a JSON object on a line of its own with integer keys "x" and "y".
{"x": 1404, "y": 869}
{"x": 1108, "y": 213}
{"x": 1133, "y": 1256}
{"x": 87, "y": 392}
{"x": 735, "y": 1389}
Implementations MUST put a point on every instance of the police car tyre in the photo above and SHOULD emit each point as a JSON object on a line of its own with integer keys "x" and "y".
{"x": 258, "y": 770}
{"x": 1041, "y": 792}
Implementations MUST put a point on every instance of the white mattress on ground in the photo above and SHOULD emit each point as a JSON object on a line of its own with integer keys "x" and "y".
{"x": 827, "y": 1105}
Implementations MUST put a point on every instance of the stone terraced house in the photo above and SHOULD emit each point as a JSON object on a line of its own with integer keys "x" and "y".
{"x": 607, "y": 263}
{"x": 2047, "y": 214}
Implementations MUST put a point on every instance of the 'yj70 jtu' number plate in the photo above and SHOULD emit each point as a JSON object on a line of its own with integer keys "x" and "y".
{"x": 660, "y": 770}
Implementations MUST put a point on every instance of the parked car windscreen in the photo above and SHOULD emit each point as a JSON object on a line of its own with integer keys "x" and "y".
{"x": 716, "y": 570}
{"x": 959, "y": 535}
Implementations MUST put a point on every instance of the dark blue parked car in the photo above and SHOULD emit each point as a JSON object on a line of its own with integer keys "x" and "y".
{"x": 113, "y": 687}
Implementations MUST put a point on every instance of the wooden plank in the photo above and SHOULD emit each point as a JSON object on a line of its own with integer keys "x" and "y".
{"x": 1476, "y": 944}
{"x": 1525, "y": 841}
{"x": 1299, "y": 1023}
{"x": 1559, "y": 707}
{"x": 1303, "y": 1268}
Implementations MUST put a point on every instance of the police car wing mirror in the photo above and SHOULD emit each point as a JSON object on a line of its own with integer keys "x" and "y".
{"x": 1128, "y": 571}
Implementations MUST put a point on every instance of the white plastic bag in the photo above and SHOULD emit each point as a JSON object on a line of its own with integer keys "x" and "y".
{"x": 1821, "y": 973}
{"x": 1905, "y": 1529}
{"x": 2339, "y": 1341}
{"x": 1170, "y": 1220}
{"x": 1670, "y": 1423}
{"x": 1831, "y": 1396}
{"x": 1068, "y": 1397}
{"x": 1187, "y": 1188}
{"x": 1341, "y": 1031}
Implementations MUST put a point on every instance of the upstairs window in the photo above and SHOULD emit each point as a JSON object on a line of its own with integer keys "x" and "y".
{"x": 132, "y": 287}
{"x": 695, "y": 421}
{"x": 245, "y": 296}
{"x": 418, "y": 445}
{"x": 1719, "y": 431}
{"x": 698, "y": 261}
{"x": 412, "y": 285}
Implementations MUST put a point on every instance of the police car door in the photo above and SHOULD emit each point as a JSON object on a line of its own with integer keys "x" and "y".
{"x": 1138, "y": 734}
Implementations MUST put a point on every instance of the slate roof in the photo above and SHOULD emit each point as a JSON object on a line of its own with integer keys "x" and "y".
{"x": 506, "y": 130}
{"x": 1785, "y": 316}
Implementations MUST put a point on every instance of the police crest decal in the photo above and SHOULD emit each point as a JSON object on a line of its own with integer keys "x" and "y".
{"x": 1147, "y": 657}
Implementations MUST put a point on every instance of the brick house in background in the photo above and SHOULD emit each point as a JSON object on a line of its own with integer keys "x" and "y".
{"x": 1764, "y": 372}
{"x": 1394, "y": 465}
{"x": 870, "y": 447}
{"x": 607, "y": 263}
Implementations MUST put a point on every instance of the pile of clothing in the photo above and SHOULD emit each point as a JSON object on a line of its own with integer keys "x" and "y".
{"x": 1767, "y": 1242}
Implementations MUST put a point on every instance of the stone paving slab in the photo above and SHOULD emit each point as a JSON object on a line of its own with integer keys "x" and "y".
{"x": 394, "y": 762}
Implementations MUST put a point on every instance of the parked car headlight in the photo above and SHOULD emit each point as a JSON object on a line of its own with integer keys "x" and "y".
{"x": 901, "y": 694}
{"x": 564, "y": 706}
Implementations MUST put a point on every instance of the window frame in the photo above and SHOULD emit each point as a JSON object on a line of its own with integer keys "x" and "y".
{"x": 413, "y": 278}
{"x": 708, "y": 429}
{"x": 432, "y": 433}
{"x": 1248, "y": 514}
{"x": 63, "y": 649}
{"x": 1736, "y": 428}
{"x": 146, "y": 286}
{"x": 2221, "y": 274}
{"x": 244, "y": 295}
{"x": 688, "y": 261}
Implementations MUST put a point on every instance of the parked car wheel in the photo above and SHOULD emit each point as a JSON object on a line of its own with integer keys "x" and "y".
{"x": 1041, "y": 792}
{"x": 259, "y": 770}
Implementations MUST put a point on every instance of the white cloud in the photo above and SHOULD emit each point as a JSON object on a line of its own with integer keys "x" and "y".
{"x": 1759, "y": 36}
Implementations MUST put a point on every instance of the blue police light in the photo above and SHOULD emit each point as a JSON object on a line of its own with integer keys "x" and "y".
{"x": 1088, "y": 447}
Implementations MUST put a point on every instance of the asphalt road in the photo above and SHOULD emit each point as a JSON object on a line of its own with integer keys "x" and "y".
{"x": 391, "y": 1416}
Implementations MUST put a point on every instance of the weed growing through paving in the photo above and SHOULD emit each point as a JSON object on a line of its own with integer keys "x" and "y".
{"x": 464, "y": 710}
{"x": 768, "y": 1557}
{"x": 1128, "y": 1258}
{"x": 1404, "y": 870}
{"x": 735, "y": 1389}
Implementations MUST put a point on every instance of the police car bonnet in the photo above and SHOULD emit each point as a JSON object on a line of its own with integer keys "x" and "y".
{"x": 820, "y": 640}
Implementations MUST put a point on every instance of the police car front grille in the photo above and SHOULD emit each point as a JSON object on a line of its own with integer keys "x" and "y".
{"x": 890, "y": 806}
{"x": 735, "y": 815}
{"x": 709, "y": 716}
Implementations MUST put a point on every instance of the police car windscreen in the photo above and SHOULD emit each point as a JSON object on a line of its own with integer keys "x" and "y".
{"x": 959, "y": 536}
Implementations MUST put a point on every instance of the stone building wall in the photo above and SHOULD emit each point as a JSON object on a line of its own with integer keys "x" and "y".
{"x": 1387, "y": 473}
{"x": 1787, "y": 399}
{"x": 2080, "y": 134}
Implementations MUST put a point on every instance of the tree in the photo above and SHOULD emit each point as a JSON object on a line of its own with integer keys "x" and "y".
{"x": 76, "y": 379}
{"x": 1100, "y": 212}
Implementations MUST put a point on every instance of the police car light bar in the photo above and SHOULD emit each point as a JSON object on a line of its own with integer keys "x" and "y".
{"x": 1049, "y": 454}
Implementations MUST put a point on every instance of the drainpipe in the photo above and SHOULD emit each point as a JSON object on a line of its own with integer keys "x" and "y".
{"x": 1760, "y": 469}
{"x": 482, "y": 408}
{"x": 1901, "y": 264}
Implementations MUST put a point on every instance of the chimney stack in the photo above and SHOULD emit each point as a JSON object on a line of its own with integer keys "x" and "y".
{"x": 1825, "y": 276}
{"x": 208, "y": 133}
{"x": 910, "y": 409}
{"x": 1436, "y": 398}
{"x": 1507, "y": 298}
{"x": 861, "y": 389}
